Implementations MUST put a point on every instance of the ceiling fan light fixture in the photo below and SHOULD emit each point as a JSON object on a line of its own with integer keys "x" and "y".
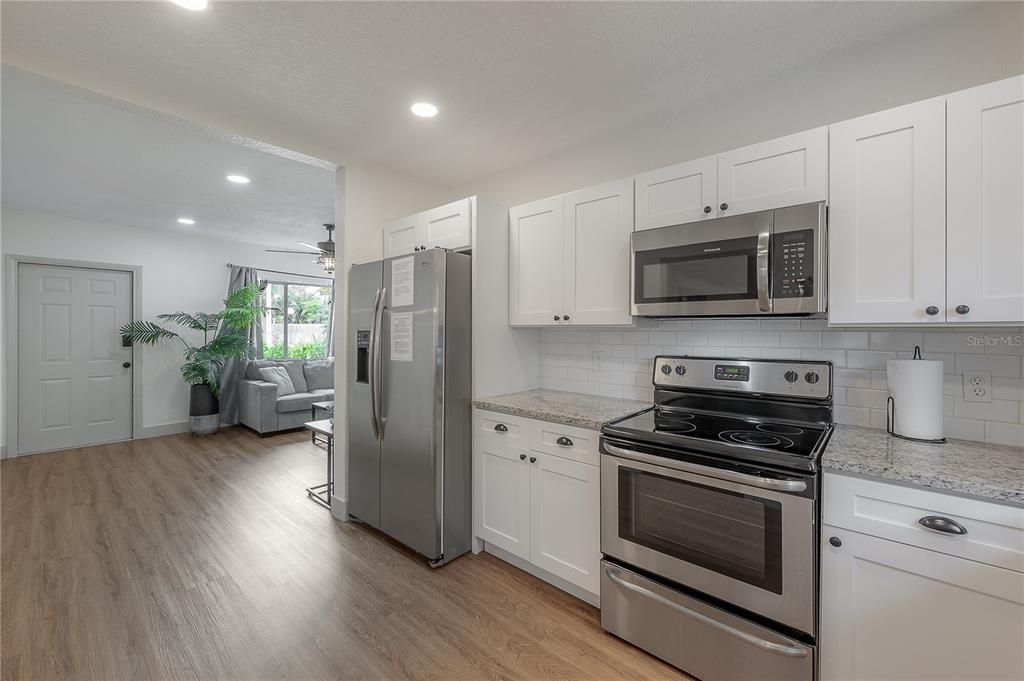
{"x": 326, "y": 261}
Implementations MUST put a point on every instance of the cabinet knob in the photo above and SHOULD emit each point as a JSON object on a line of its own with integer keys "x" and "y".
{"x": 835, "y": 541}
{"x": 423, "y": 248}
{"x": 522, "y": 457}
{"x": 724, "y": 206}
{"x": 931, "y": 310}
{"x": 962, "y": 309}
{"x": 557, "y": 318}
{"x": 501, "y": 428}
{"x": 563, "y": 441}
{"x": 707, "y": 209}
{"x": 566, "y": 317}
{"x": 533, "y": 459}
{"x": 127, "y": 365}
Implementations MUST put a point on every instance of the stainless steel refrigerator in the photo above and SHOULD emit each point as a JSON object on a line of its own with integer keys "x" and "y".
{"x": 409, "y": 412}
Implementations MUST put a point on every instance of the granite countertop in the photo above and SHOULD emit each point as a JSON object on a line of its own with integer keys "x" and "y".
{"x": 986, "y": 471}
{"x": 557, "y": 406}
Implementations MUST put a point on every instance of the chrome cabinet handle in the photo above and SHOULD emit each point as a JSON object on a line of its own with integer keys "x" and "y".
{"x": 563, "y": 441}
{"x": 770, "y": 646}
{"x": 717, "y": 473}
{"x": 501, "y": 428}
{"x": 762, "y": 271}
{"x": 938, "y": 523}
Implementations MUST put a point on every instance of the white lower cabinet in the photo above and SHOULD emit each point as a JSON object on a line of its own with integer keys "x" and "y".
{"x": 925, "y": 607}
{"x": 540, "y": 507}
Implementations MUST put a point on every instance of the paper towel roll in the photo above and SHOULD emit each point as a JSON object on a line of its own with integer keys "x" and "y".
{"x": 916, "y": 389}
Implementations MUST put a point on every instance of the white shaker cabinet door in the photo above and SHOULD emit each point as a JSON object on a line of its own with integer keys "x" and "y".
{"x": 787, "y": 171}
{"x": 985, "y": 231}
{"x": 502, "y": 496}
{"x": 682, "y": 193}
{"x": 887, "y": 216}
{"x": 402, "y": 236}
{"x": 536, "y": 253}
{"x": 598, "y": 222}
{"x": 893, "y": 611}
{"x": 448, "y": 226}
{"x": 565, "y": 519}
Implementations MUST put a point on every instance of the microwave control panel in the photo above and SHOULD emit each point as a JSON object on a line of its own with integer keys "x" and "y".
{"x": 793, "y": 264}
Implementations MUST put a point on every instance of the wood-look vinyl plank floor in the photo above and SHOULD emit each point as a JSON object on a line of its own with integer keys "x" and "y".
{"x": 197, "y": 559}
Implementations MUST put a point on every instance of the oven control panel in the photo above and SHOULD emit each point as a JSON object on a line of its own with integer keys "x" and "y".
{"x": 793, "y": 264}
{"x": 771, "y": 377}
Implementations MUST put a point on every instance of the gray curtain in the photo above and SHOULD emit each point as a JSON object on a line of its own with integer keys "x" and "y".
{"x": 234, "y": 368}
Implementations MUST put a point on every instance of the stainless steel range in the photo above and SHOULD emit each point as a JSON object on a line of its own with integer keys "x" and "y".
{"x": 709, "y": 517}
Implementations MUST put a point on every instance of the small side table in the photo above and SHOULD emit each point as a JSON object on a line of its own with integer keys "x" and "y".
{"x": 322, "y": 493}
{"x": 326, "y": 410}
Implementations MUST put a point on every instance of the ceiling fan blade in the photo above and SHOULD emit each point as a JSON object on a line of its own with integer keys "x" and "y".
{"x": 315, "y": 248}
{"x": 276, "y": 250}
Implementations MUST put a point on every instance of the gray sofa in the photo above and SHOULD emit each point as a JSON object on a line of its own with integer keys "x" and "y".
{"x": 261, "y": 409}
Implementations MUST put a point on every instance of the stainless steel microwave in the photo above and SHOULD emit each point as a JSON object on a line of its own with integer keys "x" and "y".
{"x": 768, "y": 263}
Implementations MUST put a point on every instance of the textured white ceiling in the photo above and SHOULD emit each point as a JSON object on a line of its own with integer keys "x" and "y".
{"x": 69, "y": 152}
{"x": 514, "y": 81}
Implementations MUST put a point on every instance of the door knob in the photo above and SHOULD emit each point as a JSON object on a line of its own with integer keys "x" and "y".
{"x": 707, "y": 209}
{"x": 724, "y": 206}
{"x": 522, "y": 457}
{"x": 931, "y": 310}
{"x": 962, "y": 309}
{"x": 126, "y": 365}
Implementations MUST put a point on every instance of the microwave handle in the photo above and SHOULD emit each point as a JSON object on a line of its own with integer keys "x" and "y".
{"x": 763, "y": 241}
{"x": 718, "y": 473}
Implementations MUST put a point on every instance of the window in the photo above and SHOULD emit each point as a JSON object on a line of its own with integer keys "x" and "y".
{"x": 298, "y": 325}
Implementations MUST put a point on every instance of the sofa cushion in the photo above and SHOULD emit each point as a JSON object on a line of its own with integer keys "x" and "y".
{"x": 279, "y": 377}
{"x": 296, "y": 373}
{"x": 297, "y": 402}
{"x": 319, "y": 374}
{"x": 252, "y": 369}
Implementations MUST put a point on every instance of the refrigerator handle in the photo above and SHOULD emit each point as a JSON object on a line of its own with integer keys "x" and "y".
{"x": 374, "y": 348}
{"x": 376, "y": 370}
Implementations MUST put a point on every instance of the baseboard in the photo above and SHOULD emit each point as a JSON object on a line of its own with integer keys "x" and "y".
{"x": 339, "y": 508}
{"x": 163, "y": 429}
{"x": 3, "y": 451}
{"x": 540, "y": 573}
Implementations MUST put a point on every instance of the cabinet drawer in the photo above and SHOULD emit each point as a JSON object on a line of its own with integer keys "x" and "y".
{"x": 497, "y": 427}
{"x": 568, "y": 442}
{"x": 995, "y": 532}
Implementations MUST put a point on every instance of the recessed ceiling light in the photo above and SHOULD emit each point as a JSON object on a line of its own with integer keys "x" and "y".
{"x": 238, "y": 179}
{"x": 424, "y": 109}
{"x": 194, "y": 5}
{"x": 186, "y": 221}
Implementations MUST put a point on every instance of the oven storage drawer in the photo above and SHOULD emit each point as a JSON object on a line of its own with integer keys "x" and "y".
{"x": 702, "y": 640}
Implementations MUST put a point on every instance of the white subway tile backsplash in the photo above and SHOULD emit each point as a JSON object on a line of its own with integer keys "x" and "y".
{"x": 858, "y": 356}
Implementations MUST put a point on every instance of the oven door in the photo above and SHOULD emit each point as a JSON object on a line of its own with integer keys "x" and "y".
{"x": 718, "y": 267}
{"x": 745, "y": 539}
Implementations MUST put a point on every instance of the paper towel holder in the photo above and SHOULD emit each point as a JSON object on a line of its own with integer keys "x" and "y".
{"x": 890, "y": 414}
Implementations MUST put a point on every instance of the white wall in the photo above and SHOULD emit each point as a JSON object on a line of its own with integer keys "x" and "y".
{"x": 180, "y": 271}
{"x": 963, "y": 49}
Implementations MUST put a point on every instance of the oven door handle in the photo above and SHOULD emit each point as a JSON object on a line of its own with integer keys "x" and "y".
{"x": 778, "y": 648}
{"x": 718, "y": 473}
{"x": 763, "y": 240}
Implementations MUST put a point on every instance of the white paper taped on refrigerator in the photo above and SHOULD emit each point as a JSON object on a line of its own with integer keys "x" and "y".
{"x": 403, "y": 286}
{"x": 401, "y": 336}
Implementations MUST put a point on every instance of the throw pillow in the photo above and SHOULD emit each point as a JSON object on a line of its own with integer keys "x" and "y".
{"x": 319, "y": 374}
{"x": 294, "y": 369}
{"x": 279, "y": 377}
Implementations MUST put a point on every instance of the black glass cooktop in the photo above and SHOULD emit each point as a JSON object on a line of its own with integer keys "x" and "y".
{"x": 694, "y": 429}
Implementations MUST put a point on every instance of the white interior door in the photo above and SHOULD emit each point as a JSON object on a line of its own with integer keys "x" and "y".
{"x": 73, "y": 389}
{"x": 985, "y": 176}
{"x": 598, "y": 223}
{"x": 887, "y": 216}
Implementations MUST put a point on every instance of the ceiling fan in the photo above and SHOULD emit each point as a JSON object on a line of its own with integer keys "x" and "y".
{"x": 324, "y": 250}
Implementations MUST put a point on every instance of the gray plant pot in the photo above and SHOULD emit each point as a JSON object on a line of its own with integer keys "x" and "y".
{"x": 203, "y": 410}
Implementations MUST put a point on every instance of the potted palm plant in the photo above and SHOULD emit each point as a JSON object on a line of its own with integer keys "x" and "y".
{"x": 225, "y": 335}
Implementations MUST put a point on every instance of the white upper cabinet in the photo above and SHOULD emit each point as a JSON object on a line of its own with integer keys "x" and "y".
{"x": 598, "y": 222}
{"x": 985, "y": 229}
{"x": 678, "y": 194}
{"x": 401, "y": 236}
{"x": 536, "y": 252}
{"x": 782, "y": 172}
{"x": 887, "y": 216}
{"x": 449, "y": 226}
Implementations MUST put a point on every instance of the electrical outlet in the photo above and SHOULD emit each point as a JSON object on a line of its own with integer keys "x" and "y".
{"x": 977, "y": 386}
{"x": 597, "y": 359}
